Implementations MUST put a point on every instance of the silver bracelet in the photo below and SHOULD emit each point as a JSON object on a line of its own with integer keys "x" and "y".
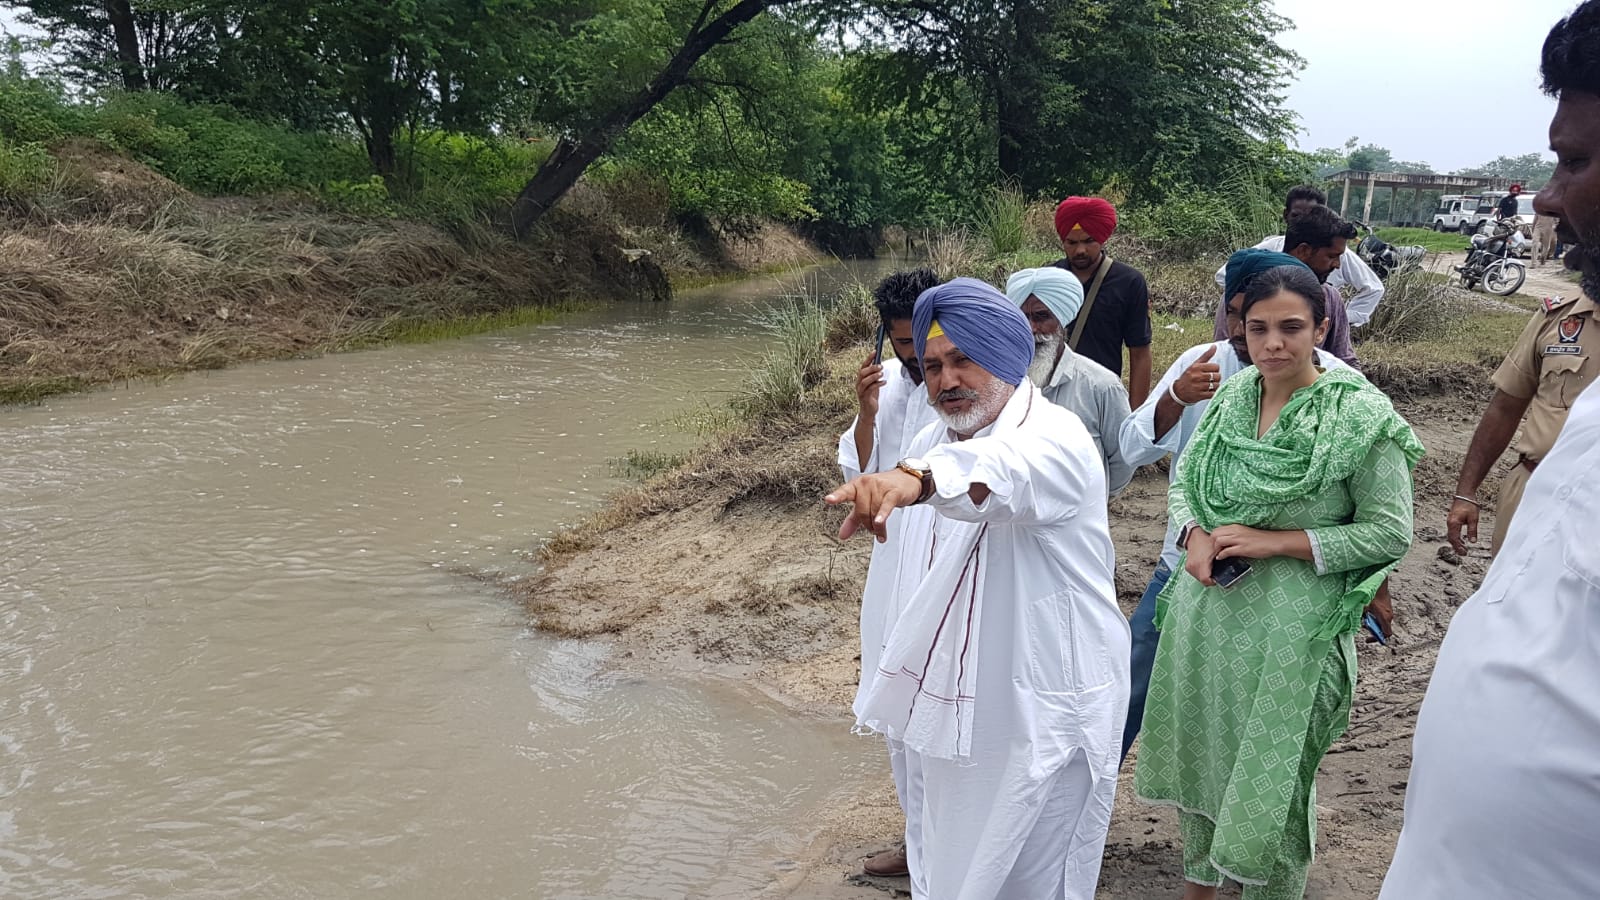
{"x": 1174, "y": 395}
{"x": 1468, "y": 500}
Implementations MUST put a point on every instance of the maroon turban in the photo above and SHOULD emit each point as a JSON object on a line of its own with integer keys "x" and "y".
{"x": 1093, "y": 215}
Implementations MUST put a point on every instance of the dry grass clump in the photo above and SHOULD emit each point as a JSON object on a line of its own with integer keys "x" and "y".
{"x": 132, "y": 276}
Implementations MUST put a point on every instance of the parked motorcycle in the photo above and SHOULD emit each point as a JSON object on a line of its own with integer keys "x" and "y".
{"x": 1491, "y": 260}
{"x": 1386, "y": 259}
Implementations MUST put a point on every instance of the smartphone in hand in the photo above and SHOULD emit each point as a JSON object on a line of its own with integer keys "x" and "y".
{"x": 1228, "y": 572}
{"x": 1371, "y": 621}
{"x": 877, "y": 345}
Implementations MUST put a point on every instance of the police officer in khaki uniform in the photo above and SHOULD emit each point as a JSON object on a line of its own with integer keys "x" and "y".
{"x": 1554, "y": 359}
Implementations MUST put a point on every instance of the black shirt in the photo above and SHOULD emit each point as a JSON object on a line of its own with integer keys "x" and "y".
{"x": 1121, "y": 315}
{"x": 1508, "y": 206}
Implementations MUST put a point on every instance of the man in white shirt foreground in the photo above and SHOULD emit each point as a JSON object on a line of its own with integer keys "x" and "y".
{"x": 1353, "y": 270}
{"x": 893, "y": 409}
{"x": 1504, "y": 794}
{"x": 1051, "y": 298}
{"x": 1005, "y": 673}
{"x": 1163, "y": 425}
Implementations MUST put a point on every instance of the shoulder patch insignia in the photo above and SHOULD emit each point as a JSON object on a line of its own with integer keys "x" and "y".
{"x": 1551, "y": 304}
{"x": 1570, "y": 328}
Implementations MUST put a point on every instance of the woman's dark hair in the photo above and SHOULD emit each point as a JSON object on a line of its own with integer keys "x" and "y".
{"x": 1294, "y": 279}
{"x": 1571, "y": 58}
{"x": 1303, "y": 192}
{"x": 896, "y": 295}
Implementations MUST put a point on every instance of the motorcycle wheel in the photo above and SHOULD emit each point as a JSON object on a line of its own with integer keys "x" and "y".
{"x": 1502, "y": 278}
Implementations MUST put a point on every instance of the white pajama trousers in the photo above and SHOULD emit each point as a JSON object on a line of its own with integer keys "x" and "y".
{"x": 991, "y": 833}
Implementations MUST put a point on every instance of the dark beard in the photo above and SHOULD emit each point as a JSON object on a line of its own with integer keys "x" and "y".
{"x": 1240, "y": 349}
{"x": 1586, "y": 261}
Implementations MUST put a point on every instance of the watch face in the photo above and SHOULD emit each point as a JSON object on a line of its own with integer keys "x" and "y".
{"x": 914, "y": 462}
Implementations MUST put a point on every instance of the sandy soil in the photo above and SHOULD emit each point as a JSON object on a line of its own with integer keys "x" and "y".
{"x": 748, "y": 582}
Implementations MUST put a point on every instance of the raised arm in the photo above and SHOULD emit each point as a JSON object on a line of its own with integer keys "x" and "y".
{"x": 1018, "y": 478}
{"x": 1368, "y": 288}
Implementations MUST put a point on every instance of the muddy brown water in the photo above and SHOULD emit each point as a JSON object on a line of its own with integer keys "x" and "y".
{"x": 238, "y": 656}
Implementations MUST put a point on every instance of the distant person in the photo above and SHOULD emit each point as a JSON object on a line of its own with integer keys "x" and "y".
{"x": 1304, "y": 475}
{"x": 1352, "y": 269}
{"x": 1318, "y": 238}
{"x": 1508, "y": 204}
{"x": 1544, "y": 239}
{"x": 1164, "y": 425}
{"x": 1049, "y": 297}
{"x": 1504, "y": 790}
{"x": 893, "y": 408}
{"x": 1116, "y": 303}
{"x": 1005, "y": 674}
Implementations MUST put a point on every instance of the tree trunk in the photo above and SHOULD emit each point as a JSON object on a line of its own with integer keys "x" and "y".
{"x": 127, "y": 36}
{"x": 573, "y": 155}
{"x": 380, "y": 150}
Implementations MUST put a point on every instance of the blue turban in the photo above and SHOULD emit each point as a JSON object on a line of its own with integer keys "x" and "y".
{"x": 1059, "y": 290}
{"x": 981, "y": 322}
{"x": 1243, "y": 267}
{"x": 1247, "y": 264}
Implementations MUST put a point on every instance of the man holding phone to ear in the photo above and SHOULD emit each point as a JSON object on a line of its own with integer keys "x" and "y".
{"x": 893, "y": 409}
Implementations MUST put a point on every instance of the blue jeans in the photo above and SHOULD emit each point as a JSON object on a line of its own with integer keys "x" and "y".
{"x": 1145, "y": 638}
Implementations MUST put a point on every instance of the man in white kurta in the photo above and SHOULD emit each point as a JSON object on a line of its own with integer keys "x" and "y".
{"x": 1005, "y": 673}
{"x": 1353, "y": 270}
{"x": 1504, "y": 795}
{"x": 893, "y": 409}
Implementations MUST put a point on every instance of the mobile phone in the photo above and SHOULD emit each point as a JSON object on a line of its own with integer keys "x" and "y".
{"x": 1228, "y": 572}
{"x": 877, "y": 345}
{"x": 1371, "y": 622}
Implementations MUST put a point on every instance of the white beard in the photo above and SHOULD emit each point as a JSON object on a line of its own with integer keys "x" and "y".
{"x": 986, "y": 407}
{"x": 1046, "y": 349}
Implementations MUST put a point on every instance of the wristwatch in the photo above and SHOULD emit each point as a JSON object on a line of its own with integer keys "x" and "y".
{"x": 1183, "y": 534}
{"x": 912, "y": 465}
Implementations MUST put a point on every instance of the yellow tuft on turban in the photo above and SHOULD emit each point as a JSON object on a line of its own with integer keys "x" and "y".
{"x": 935, "y": 331}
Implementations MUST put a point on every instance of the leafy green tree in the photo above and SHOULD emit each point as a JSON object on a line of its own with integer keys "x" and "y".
{"x": 1531, "y": 169}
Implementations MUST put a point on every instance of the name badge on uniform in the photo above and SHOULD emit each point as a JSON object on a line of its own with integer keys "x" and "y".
{"x": 1570, "y": 328}
{"x": 1563, "y": 350}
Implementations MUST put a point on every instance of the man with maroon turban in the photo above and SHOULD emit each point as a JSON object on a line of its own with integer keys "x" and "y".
{"x": 1116, "y": 305}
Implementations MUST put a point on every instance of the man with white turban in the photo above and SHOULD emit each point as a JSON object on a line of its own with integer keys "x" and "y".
{"x": 1050, "y": 297}
{"x": 1005, "y": 673}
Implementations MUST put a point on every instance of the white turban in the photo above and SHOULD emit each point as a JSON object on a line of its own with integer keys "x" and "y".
{"x": 1059, "y": 290}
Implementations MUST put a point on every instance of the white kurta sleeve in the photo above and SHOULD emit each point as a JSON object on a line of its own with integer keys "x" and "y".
{"x": 1354, "y": 271}
{"x": 849, "y": 465}
{"x": 1032, "y": 478}
{"x": 1136, "y": 439}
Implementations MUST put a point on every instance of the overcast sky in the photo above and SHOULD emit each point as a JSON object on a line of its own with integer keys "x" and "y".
{"x": 1452, "y": 83}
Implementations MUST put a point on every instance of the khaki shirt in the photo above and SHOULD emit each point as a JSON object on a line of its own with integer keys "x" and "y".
{"x": 1554, "y": 359}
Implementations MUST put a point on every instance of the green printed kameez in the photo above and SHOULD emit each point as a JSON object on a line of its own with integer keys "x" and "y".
{"x": 1252, "y": 684}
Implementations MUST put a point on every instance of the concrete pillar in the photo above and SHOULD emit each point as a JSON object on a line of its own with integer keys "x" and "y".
{"x": 1366, "y": 208}
{"x": 1344, "y": 197}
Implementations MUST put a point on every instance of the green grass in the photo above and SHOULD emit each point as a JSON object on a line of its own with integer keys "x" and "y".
{"x": 35, "y": 390}
{"x": 1434, "y": 241}
{"x": 642, "y": 465}
{"x": 1480, "y": 339}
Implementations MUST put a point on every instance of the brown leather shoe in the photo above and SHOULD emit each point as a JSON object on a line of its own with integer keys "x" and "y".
{"x": 888, "y": 864}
